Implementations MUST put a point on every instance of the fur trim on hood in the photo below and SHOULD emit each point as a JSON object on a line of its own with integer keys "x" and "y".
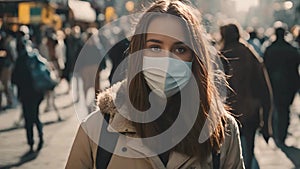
{"x": 106, "y": 100}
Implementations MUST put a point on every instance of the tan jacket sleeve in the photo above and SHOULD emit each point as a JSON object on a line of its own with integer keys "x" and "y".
{"x": 81, "y": 153}
{"x": 233, "y": 158}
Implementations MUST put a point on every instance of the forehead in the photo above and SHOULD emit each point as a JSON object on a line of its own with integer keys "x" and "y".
{"x": 168, "y": 26}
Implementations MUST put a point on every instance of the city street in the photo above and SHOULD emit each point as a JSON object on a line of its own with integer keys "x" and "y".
{"x": 59, "y": 135}
{"x": 214, "y": 55}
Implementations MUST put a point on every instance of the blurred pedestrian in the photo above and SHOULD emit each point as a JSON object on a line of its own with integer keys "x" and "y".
{"x": 48, "y": 50}
{"x": 114, "y": 56}
{"x": 60, "y": 51}
{"x": 8, "y": 56}
{"x": 28, "y": 96}
{"x": 117, "y": 55}
{"x": 66, "y": 74}
{"x": 282, "y": 62}
{"x": 87, "y": 65}
{"x": 251, "y": 92}
{"x": 74, "y": 44}
{"x": 254, "y": 41}
{"x": 168, "y": 57}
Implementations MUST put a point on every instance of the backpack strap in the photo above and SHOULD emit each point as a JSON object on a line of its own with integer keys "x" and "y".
{"x": 103, "y": 156}
{"x": 216, "y": 159}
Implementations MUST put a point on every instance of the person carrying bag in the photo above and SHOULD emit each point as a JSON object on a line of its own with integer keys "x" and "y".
{"x": 44, "y": 78}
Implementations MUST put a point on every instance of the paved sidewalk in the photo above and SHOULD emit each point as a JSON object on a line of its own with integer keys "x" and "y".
{"x": 269, "y": 156}
{"x": 54, "y": 155}
{"x": 58, "y": 136}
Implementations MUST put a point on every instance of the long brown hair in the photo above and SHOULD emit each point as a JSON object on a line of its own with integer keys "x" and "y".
{"x": 202, "y": 71}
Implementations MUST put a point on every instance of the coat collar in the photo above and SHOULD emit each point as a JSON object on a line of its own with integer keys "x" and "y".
{"x": 176, "y": 160}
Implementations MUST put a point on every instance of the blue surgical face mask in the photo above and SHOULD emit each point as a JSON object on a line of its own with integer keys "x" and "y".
{"x": 165, "y": 75}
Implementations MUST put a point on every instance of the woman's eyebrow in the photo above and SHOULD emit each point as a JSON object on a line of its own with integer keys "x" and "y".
{"x": 154, "y": 40}
{"x": 179, "y": 43}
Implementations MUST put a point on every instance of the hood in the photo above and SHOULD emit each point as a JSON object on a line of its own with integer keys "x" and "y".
{"x": 106, "y": 102}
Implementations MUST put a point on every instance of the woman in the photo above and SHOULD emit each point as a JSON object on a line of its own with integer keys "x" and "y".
{"x": 169, "y": 71}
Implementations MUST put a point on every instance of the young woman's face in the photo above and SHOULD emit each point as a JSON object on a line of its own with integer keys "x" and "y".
{"x": 166, "y": 35}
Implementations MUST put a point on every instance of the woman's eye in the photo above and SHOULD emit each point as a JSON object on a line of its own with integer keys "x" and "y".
{"x": 180, "y": 50}
{"x": 155, "y": 48}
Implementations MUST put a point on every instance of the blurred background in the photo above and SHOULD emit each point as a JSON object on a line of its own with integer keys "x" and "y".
{"x": 59, "y": 29}
{"x": 60, "y": 13}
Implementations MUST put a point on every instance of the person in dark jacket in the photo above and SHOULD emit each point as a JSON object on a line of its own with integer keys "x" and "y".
{"x": 7, "y": 58}
{"x": 27, "y": 95}
{"x": 282, "y": 62}
{"x": 74, "y": 45}
{"x": 251, "y": 91}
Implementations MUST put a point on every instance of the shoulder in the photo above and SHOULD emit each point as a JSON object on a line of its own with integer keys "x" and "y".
{"x": 91, "y": 118}
{"x": 91, "y": 126}
{"x": 231, "y": 125}
{"x": 231, "y": 151}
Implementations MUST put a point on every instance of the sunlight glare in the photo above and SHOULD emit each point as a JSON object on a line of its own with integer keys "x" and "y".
{"x": 245, "y": 5}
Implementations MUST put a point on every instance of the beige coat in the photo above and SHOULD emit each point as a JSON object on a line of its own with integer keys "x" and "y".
{"x": 84, "y": 150}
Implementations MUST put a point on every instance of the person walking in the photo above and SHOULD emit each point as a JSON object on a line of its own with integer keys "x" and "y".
{"x": 7, "y": 59}
{"x": 28, "y": 96}
{"x": 47, "y": 49}
{"x": 282, "y": 62}
{"x": 251, "y": 92}
{"x": 74, "y": 44}
{"x": 254, "y": 41}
